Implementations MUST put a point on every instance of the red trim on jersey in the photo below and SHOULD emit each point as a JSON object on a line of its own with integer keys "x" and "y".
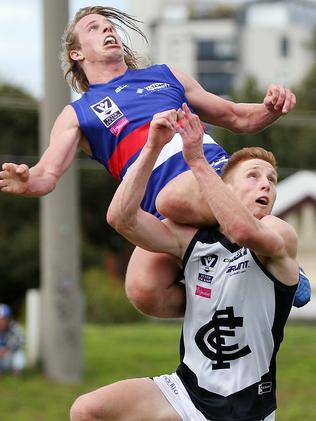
{"x": 131, "y": 144}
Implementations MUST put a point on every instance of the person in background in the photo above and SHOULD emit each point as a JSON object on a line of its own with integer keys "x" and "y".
{"x": 12, "y": 357}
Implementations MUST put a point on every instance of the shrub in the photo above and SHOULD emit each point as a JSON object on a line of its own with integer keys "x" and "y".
{"x": 106, "y": 300}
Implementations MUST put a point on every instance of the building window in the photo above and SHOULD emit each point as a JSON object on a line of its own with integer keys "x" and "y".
{"x": 216, "y": 50}
{"x": 217, "y": 83}
{"x": 216, "y": 64}
{"x": 284, "y": 47}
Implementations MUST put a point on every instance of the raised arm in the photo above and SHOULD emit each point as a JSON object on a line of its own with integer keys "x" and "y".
{"x": 238, "y": 117}
{"x": 125, "y": 214}
{"x": 42, "y": 178}
{"x": 273, "y": 240}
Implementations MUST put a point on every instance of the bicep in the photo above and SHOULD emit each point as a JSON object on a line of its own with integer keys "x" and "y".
{"x": 63, "y": 145}
{"x": 152, "y": 234}
{"x": 210, "y": 108}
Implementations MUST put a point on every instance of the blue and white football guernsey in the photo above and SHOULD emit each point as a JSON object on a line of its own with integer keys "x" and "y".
{"x": 115, "y": 118}
{"x": 233, "y": 326}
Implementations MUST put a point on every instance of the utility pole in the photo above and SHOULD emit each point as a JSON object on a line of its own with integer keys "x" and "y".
{"x": 61, "y": 301}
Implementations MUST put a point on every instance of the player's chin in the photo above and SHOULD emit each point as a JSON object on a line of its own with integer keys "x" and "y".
{"x": 261, "y": 212}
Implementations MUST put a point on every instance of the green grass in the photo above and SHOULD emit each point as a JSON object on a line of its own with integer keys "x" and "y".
{"x": 121, "y": 351}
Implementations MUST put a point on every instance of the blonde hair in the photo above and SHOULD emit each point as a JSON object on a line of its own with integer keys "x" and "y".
{"x": 73, "y": 72}
{"x": 245, "y": 154}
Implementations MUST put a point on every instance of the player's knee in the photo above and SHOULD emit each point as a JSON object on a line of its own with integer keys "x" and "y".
{"x": 167, "y": 204}
{"x": 82, "y": 410}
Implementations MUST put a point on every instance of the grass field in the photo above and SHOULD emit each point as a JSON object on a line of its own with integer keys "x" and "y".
{"x": 121, "y": 351}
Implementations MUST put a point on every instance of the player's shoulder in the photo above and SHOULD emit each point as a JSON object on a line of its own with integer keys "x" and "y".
{"x": 183, "y": 233}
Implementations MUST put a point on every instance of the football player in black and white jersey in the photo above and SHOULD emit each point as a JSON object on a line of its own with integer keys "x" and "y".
{"x": 240, "y": 277}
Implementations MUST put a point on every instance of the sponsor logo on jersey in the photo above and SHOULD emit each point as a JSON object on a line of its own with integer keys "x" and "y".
{"x": 119, "y": 126}
{"x": 203, "y": 292}
{"x": 171, "y": 385}
{"x": 239, "y": 268}
{"x": 153, "y": 87}
{"x": 107, "y": 111}
{"x": 120, "y": 88}
{"x": 205, "y": 278}
{"x": 265, "y": 387}
{"x": 240, "y": 253}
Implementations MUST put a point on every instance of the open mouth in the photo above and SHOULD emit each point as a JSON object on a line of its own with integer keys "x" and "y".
{"x": 263, "y": 201}
{"x": 110, "y": 40}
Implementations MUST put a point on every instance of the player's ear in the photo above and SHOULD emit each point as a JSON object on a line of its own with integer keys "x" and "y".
{"x": 76, "y": 55}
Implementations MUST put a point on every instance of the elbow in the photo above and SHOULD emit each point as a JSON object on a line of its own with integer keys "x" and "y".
{"x": 51, "y": 187}
{"x": 118, "y": 220}
{"x": 241, "y": 233}
{"x": 112, "y": 217}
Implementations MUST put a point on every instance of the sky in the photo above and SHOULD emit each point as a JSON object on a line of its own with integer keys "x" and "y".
{"x": 21, "y": 40}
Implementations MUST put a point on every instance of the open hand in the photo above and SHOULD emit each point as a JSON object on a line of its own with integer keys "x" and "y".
{"x": 191, "y": 131}
{"x": 14, "y": 178}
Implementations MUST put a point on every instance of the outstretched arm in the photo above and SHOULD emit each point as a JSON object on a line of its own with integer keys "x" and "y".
{"x": 125, "y": 213}
{"x": 42, "y": 178}
{"x": 238, "y": 117}
{"x": 270, "y": 238}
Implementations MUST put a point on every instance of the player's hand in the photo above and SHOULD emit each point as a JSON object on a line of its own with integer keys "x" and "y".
{"x": 163, "y": 127}
{"x": 191, "y": 131}
{"x": 279, "y": 99}
{"x": 14, "y": 178}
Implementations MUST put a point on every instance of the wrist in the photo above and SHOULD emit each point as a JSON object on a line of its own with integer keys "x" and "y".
{"x": 198, "y": 163}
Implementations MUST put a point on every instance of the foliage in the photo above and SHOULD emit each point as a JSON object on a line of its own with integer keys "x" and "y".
{"x": 19, "y": 227}
{"x": 292, "y": 144}
{"x": 115, "y": 352}
{"x": 106, "y": 301}
{"x": 19, "y": 217}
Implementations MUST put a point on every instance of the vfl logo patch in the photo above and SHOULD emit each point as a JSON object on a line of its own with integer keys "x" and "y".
{"x": 107, "y": 111}
{"x": 203, "y": 292}
{"x": 207, "y": 264}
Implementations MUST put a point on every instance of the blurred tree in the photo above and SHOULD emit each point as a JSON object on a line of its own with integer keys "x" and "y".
{"x": 19, "y": 217}
{"x": 291, "y": 139}
{"x": 19, "y": 236}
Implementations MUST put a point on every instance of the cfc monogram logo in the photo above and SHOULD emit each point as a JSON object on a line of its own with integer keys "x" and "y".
{"x": 211, "y": 339}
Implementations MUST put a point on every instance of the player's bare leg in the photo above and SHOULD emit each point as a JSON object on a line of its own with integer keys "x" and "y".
{"x": 126, "y": 400}
{"x": 181, "y": 201}
{"x": 152, "y": 279}
{"x": 152, "y": 284}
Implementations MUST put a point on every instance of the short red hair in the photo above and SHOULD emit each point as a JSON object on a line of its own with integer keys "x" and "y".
{"x": 245, "y": 154}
